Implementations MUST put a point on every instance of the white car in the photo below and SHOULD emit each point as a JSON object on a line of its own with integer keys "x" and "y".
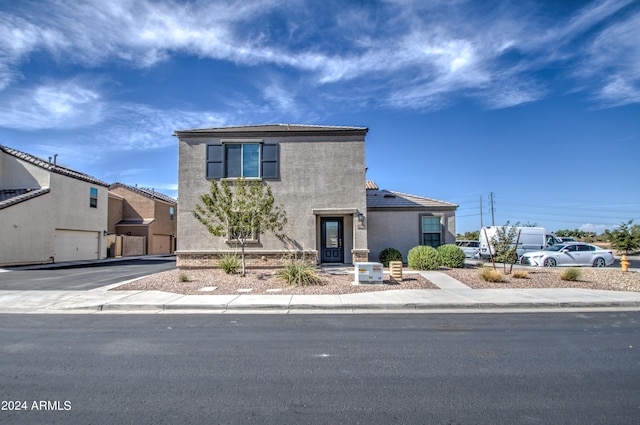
{"x": 471, "y": 248}
{"x": 569, "y": 254}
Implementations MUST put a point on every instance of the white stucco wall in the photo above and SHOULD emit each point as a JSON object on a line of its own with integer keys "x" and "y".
{"x": 30, "y": 225}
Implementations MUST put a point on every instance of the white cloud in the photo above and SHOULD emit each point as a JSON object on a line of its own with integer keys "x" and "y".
{"x": 595, "y": 228}
{"x": 68, "y": 104}
{"x": 615, "y": 54}
{"x": 411, "y": 54}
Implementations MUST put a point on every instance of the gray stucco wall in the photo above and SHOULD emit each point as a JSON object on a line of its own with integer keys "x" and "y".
{"x": 401, "y": 229}
{"x": 319, "y": 176}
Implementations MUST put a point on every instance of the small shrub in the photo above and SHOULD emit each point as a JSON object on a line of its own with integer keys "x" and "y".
{"x": 423, "y": 258}
{"x": 451, "y": 256}
{"x": 184, "y": 277}
{"x": 230, "y": 263}
{"x": 299, "y": 273}
{"x": 389, "y": 254}
{"x": 521, "y": 274}
{"x": 571, "y": 274}
{"x": 490, "y": 275}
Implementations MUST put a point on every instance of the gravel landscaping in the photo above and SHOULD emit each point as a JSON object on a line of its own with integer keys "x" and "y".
{"x": 264, "y": 281}
{"x": 590, "y": 278}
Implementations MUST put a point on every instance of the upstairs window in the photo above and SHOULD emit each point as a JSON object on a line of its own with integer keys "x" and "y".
{"x": 249, "y": 159}
{"x": 93, "y": 197}
{"x": 171, "y": 213}
{"x": 242, "y": 160}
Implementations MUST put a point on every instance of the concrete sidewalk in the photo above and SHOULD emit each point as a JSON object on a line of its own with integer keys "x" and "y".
{"x": 452, "y": 296}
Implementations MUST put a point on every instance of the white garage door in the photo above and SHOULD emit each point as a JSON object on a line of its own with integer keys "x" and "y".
{"x": 74, "y": 245}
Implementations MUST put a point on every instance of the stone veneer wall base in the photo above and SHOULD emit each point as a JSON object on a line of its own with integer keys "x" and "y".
{"x": 263, "y": 259}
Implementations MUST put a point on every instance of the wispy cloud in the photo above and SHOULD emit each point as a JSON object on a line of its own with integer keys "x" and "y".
{"x": 407, "y": 54}
{"x": 68, "y": 104}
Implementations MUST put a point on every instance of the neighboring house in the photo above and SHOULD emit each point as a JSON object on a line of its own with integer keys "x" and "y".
{"x": 401, "y": 221}
{"x": 136, "y": 211}
{"x": 49, "y": 213}
{"x": 318, "y": 174}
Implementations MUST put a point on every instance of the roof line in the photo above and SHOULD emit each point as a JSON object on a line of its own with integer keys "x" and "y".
{"x": 422, "y": 197}
{"x": 24, "y": 197}
{"x": 55, "y": 168}
{"x": 149, "y": 193}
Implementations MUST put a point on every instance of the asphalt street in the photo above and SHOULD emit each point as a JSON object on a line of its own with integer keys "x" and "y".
{"x": 569, "y": 368}
{"x": 82, "y": 277}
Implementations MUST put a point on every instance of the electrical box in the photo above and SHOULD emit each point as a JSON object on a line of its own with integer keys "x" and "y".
{"x": 368, "y": 272}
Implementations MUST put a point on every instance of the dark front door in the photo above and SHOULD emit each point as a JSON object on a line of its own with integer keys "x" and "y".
{"x": 332, "y": 236}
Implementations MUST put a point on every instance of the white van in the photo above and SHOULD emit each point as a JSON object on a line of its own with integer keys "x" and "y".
{"x": 531, "y": 239}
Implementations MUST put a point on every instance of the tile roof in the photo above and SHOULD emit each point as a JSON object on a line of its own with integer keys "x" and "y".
{"x": 58, "y": 169}
{"x": 149, "y": 193}
{"x": 391, "y": 199}
{"x": 371, "y": 185}
{"x": 15, "y": 196}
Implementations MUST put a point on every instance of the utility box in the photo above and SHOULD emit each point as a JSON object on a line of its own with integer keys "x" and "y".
{"x": 368, "y": 272}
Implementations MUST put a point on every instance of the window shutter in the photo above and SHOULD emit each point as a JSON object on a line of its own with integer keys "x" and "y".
{"x": 215, "y": 161}
{"x": 269, "y": 164}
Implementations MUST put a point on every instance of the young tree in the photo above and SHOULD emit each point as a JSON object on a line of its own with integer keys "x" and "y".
{"x": 241, "y": 213}
{"x": 624, "y": 237}
{"x": 503, "y": 243}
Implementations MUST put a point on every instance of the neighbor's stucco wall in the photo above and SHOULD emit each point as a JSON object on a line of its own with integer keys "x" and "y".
{"x": 401, "y": 229}
{"x": 18, "y": 174}
{"x": 31, "y": 224}
{"x": 317, "y": 173}
{"x": 115, "y": 213}
{"x": 27, "y": 226}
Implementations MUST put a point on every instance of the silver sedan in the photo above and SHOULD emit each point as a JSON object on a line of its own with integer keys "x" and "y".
{"x": 569, "y": 254}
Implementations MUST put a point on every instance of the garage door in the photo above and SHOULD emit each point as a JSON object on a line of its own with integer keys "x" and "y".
{"x": 75, "y": 245}
{"x": 161, "y": 244}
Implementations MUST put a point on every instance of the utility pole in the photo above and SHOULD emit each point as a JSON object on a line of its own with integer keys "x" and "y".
{"x": 492, "y": 209}
{"x": 480, "y": 211}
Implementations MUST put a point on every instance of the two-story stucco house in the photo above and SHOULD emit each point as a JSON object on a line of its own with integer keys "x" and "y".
{"x": 138, "y": 211}
{"x": 49, "y": 213}
{"x": 318, "y": 174}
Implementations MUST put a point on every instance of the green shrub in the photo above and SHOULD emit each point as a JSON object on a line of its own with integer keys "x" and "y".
{"x": 230, "y": 263}
{"x": 423, "y": 258}
{"x": 490, "y": 275}
{"x": 571, "y": 274}
{"x": 389, "y": 254}
{"x": 299, "y": 273}
{"x": 451, "y": 256}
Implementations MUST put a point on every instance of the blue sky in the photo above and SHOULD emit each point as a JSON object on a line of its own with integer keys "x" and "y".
{"x": 537, "y": 102}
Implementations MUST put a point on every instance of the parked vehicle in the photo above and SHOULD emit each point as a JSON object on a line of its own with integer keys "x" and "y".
{"x": 567, "y": 239}
{"x": 531, "y": 239}
{"x": 471, "y": 248}
{"x": 569, "y": 254}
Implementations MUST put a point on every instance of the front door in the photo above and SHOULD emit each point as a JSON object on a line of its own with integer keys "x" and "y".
{"x": 332, "y": 236}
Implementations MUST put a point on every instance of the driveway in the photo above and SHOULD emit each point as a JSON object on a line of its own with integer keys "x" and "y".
{"x": 82, "y": 277}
